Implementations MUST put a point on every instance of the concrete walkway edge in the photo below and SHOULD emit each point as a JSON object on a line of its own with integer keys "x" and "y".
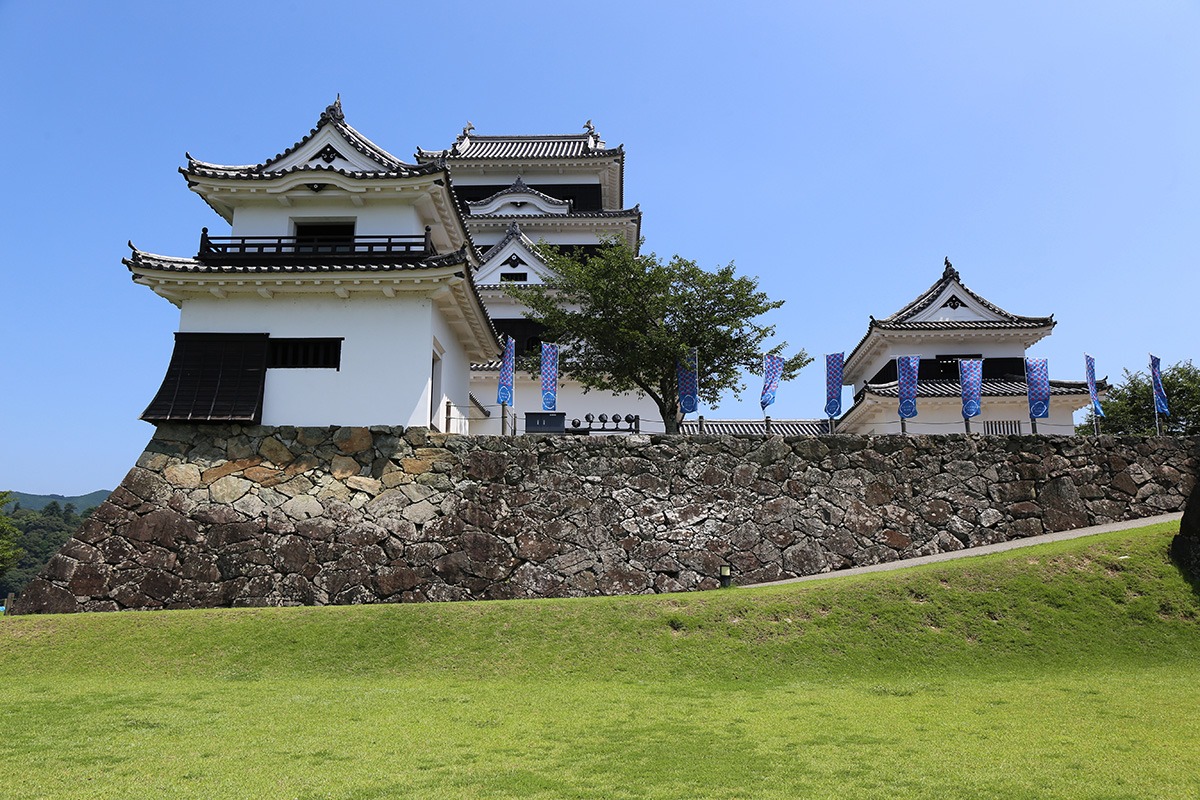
{"x": 968, "y": 552}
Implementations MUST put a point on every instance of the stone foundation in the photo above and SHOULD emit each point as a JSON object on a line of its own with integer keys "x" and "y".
{"x": 244, "y": 516}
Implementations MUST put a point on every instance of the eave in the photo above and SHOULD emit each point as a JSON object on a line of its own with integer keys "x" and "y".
{"x": 881, "y": 336}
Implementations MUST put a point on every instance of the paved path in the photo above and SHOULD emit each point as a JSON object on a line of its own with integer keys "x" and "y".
{"x": 1012, "y": 544}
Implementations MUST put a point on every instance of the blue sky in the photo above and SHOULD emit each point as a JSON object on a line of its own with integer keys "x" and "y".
{"x": 836, "y": 150}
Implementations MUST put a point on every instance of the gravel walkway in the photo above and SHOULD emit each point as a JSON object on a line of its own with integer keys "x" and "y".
{"x": 969, "y": 552}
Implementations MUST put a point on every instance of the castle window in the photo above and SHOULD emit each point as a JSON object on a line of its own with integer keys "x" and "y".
{"x": 305, "y": 354}
{"x": 324, "y": 237}
{"x": 514, "y": 277}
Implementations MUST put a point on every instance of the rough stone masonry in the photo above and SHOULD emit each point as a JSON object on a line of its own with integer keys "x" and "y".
{"x": 245, "y": 516}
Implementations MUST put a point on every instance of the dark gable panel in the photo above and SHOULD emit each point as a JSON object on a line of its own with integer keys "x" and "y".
{"x": 213, "y": 377}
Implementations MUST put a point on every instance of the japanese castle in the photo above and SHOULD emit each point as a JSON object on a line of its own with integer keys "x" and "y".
{"x": 354, "y": 288}
{"x": 357, "y": 289}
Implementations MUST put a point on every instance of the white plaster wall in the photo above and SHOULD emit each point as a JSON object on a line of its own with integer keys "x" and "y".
{"x": 539, "y": 230}
{"x": 386, "y": 352}
{"x": 377, "y": 217}
{"x": 455, "y": 378}
{"x": 945, "y": 416}
{"x": 571, "y": 400}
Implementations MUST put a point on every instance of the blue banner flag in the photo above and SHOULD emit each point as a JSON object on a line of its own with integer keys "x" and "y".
{"x": 1037, "y": 382}
{"x": 508, "y": 363}
{"x": 834, "y": 366}
{"x": 907, "y": 368}
{"x": 1090, "y": 364}
{"x": 687, "y": 370}
{"x": 549, "y": 376}
{"x": 772, "y": 371}
{"x": 970, "y": 376}
{"x": 1160, "y": 395}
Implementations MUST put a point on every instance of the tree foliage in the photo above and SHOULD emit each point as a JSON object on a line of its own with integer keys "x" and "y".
{"x": 28, "y": 539}
{"x": 1129, "y": 405}
{"x": 625, "y": 319}
{"x": 10, "y": 551}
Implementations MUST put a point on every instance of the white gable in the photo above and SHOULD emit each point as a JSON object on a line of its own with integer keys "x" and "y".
{"x": 513, "y": 257}
{"x": 525, "y": 203}
{"x": 328, "y": 148}
{"x": 956, "y": 303}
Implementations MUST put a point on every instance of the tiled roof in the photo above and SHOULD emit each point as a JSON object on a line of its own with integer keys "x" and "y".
{"x": 486, "y": 366}
{"x": 142, "y": 260}
{"x": 620, "y": 213}
{"x": 1010, "y": 387}
{"x": 950, "y": 275}
{"x": 900, "y": 321}
{"x": 756, "y": 427}
{"x": 202, "y": 169}
{"x": 519, "y": 187}
{"x": 392, "y": 167}
{"x": 469, "y": 146}
{"x": 957, "y": 325}
{"x": 513, "y": 232}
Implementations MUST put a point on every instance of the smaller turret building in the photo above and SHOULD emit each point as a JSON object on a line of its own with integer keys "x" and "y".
{"x": 945, "y": 323}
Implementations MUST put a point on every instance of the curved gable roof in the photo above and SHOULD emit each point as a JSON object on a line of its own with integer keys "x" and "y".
{"x": 469, "y": 146}
{"x": 381, "y": 163}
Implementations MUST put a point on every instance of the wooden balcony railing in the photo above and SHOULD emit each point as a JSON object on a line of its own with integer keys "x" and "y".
{"x": 309, "y": 249}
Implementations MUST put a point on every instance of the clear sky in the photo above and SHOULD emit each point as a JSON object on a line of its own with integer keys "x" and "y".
{"x": 836, "y": 150}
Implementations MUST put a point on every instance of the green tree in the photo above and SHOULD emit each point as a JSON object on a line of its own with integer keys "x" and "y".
{"x": 10, "y": 552}
{"x": 625, "y": 319}
{"x": 1129, "y": 405}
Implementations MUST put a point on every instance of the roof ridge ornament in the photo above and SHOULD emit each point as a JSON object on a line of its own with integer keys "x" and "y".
{"x": 333, "y": 111}
{"x": 590, "y": 130}
{"x": 950, "y": 273}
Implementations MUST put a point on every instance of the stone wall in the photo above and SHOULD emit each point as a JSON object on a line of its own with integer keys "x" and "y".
{"x": 239, "y": 516}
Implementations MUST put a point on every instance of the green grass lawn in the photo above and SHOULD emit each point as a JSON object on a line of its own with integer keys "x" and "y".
{"x": 1069, "y": 670}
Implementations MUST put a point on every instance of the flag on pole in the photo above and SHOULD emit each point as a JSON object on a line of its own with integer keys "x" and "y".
{"x": 772, "y": 371}
{"x": 1037, "y": 382}
{"x": 1090, "y": 363}
{"x": 1160, "y": 395}
{"x": 549, "y": 376}
{"x": 508, "y": 363}
{"x": 907, "y": 368}
{"x": 687, "y": 370}
{"x": 834, "y": 367}
{"x": 970, "y": 376}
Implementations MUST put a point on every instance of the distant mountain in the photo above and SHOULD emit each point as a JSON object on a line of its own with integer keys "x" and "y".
{"x": 37, "y": 502}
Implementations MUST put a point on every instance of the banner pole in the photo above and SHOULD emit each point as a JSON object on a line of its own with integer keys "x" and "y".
{"x": 1033, "y": 424}
{"x": 967, "y": 423}
{"x": 504, "y": 419}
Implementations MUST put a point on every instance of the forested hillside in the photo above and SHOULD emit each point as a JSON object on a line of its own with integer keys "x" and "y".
{"x": 42, "y": 532}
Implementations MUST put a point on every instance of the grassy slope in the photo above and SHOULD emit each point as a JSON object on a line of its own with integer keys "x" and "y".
{"x": 1067, "y": 670}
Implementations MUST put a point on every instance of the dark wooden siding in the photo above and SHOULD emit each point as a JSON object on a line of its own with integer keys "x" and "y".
{"x": 213, "y": 377}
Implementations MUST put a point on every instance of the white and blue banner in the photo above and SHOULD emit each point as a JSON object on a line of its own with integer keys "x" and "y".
{"x": 1160, "y": 394}
{"x": 907, "y": 369}
{"x": 549, "y": 377}
{"x": 835, "y": 364}
{"x": 970, "y": 376}
{"x": 1037, "y": 382}
{"x": 1090, "y": 366}
{"x": 772, "y": 372}
{"x": 508, "y": 365}
{"x": 687, "y": 372}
